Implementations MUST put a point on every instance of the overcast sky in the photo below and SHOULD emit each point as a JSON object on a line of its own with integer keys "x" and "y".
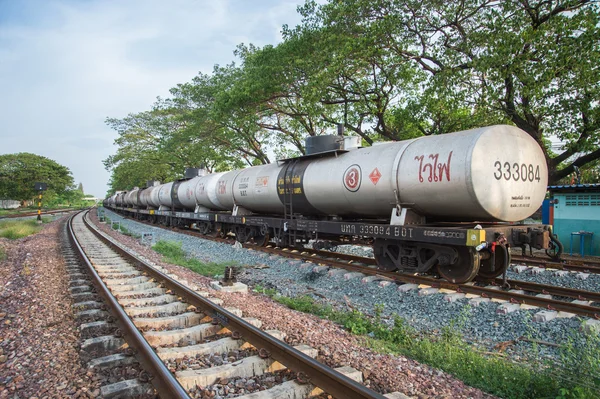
{"x": 66, "y": 65}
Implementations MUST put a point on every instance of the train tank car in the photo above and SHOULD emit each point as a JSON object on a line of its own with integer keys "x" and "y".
{"x": 436, "y": 204}
{"x": 496, "y": 173}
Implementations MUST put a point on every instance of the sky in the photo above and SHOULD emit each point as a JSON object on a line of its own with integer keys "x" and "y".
{"x": 67, "y": 65}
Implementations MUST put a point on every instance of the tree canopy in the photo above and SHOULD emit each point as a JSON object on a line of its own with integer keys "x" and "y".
{"x": 386, "y": 70}
{"x": 19, "y": 172}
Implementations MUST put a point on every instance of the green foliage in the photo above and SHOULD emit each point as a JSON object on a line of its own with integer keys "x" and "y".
{"x": 3, "y": 255}
{"x": 448, "y": 352}
{"x": 15, "y": 229}
{"x": 580, "y": 357}
{"x": 19, "y": 172}
{"x": 174, "y": 254}
{"x": 386, "y": 70}
{"x": 528, "y": 63}
{"x": 125, "y": 230}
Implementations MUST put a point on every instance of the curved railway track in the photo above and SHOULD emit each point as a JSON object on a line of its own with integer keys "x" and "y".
{"x": 155, "y": 312}
{"x": 520, "y": 292}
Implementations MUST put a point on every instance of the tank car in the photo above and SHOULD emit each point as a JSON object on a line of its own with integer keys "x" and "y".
{"x": 431, "y": 204}
{"x": 496, "y": 173}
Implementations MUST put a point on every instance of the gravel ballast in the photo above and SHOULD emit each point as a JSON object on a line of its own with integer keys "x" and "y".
{"x": 337, "y": 347}
{"x": 39, "y": 336}
{"x": 481, "y": 324}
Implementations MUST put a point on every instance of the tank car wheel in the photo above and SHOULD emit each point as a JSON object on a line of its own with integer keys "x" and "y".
{"x": 385, "y": 254}
{"x": 204, "y": 227}
{"x": 501, "y": 264}
{"x": 464, "y": 269}
{"x": 243, "y": 234}
{"x": 261, "y": 240}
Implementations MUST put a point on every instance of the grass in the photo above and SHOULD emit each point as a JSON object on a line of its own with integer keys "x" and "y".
{"x": 2, "y": 254}
{"x": 126, "y": 231}
{"x": 576, "y": 377}
{"x": 174, "y": 254}
{"x": 15, "y": 229}
{"x": 122, "y": 229}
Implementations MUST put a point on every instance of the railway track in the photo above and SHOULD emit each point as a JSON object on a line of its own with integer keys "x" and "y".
{"x": 548, "y": 295}
{"x": 166, "y": 322}
{"x": 21, "y": 215}
{"x": 522, "y": 293}
{"x": 577, "y": 265}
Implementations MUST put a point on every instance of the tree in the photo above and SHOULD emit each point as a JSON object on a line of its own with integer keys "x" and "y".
{"x": 80, "y": 187}
{"x": 532, "y": 63}
{"x": 19, "y": 172}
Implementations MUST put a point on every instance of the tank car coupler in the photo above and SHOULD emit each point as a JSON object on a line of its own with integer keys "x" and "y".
{"x": 538, "y": 238}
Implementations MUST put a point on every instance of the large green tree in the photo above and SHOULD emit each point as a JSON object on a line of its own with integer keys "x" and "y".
{"x": 19, "y": 173}
{"x": 386, "y": 70}
{"x": 533, "y": 63}
{"x": 159, "y": 144}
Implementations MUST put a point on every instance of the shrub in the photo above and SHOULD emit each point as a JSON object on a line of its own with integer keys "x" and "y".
{"x": 15, "y": 229}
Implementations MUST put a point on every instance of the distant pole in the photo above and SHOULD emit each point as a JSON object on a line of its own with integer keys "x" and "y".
{"x": 40, "y": 187}
{"x": 39, "y": 217}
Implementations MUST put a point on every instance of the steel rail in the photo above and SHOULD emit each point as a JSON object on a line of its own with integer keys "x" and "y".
{"x": 28, "y": 214}
{"x": 549, "y": 289}
{"x": 515, "y": 284}
{"x": 579, "y": 265}
{"x": 552, "y": 304}
{"x": 164, "y": 381}
{"x": 547, "y": 303}
{"x": 324, "y": 377}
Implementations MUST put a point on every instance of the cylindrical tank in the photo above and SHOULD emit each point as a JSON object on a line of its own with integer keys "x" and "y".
{"x": 120, "y": 198}
{"x": 185, "y": 193}
{"x": 224, "y": 189}
{"x": 149, "y": 197}
{"x": 164, "y": 194}
{"x": 131, "y": 197}
{"x": 492, "y": 173}
{"x": 256, "y": 189}
{"x": 153, "y": 201}
{"x": 206, "y": 192}
{"x": 145, "y": 196}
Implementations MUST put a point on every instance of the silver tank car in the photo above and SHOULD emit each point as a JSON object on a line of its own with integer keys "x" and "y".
{"x": 131, "y": 198}
{"x": 164, "y": 194}
{"x": 200, "y": 191}
{"x": 120, "y": 198}
{"x": 495, "y": 173}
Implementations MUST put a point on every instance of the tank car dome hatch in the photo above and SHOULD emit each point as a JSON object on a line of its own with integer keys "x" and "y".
{"x": 190, "y": 173}
{"x": 352, "y": 142}
{"x": 318, "y": 144}
{"x": 152, "y": 183}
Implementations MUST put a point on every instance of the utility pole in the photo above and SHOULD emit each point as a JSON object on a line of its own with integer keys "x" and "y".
{"x": 40, "y": 188}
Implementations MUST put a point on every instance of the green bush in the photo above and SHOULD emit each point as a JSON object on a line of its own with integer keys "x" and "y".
{"x": 15, "y": 229}
{"x": 174, "y": 254}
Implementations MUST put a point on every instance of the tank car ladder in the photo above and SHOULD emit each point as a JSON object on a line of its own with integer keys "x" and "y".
{"x": 288, "y": 203}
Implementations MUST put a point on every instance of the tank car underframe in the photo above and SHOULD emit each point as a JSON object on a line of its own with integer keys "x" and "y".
{"x": 457, "y": 252}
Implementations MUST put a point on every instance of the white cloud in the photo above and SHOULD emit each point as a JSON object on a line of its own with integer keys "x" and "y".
{"x": 67, "y": 65}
